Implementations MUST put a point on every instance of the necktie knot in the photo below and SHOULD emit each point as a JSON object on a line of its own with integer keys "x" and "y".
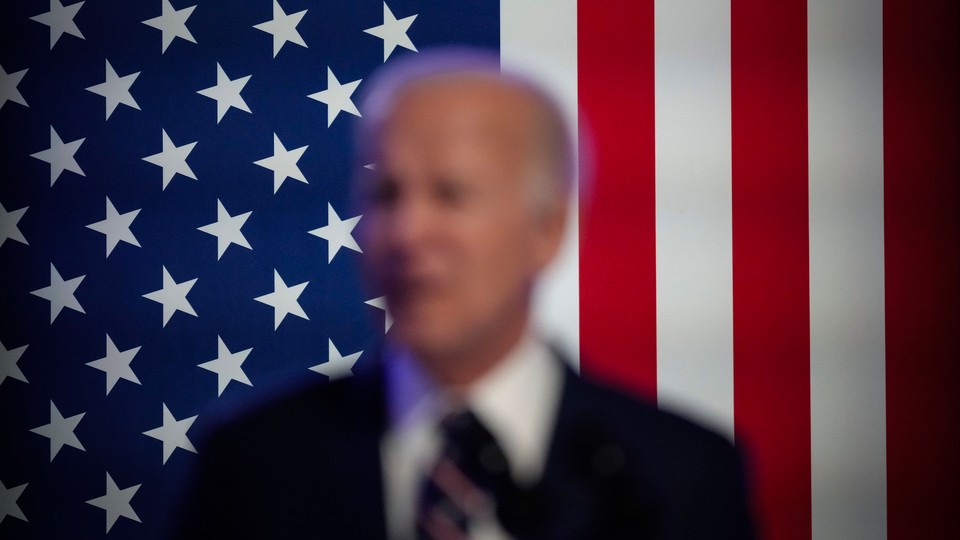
{"x": 469, "y": 474}
{"x": 469, "y": 444}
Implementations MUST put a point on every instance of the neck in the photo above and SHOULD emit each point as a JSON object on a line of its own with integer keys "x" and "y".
{"x": 457, "y": 369}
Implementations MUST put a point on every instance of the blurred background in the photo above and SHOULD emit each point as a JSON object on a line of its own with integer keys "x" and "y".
{"x": 766, "y": 234}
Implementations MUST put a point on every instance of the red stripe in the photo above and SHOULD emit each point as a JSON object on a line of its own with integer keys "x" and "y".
{"x": 617, "y": 257}
{"x": 770, "y": 259}
{"x": 921, "y": 125}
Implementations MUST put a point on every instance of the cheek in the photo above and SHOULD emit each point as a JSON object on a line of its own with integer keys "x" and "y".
{"x": 373, "y": 246}
{"x": 499, "y": 259}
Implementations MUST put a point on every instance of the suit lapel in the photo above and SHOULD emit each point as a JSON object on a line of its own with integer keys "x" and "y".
{"x": 572, "y": 504}
{"x": 582, "y": 493}
{"x": 355, "y": 465}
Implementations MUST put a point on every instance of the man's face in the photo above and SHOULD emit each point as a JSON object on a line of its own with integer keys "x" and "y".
{"x": 449, "y": 230}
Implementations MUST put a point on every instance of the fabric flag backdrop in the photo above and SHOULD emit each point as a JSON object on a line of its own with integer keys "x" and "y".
{"x": 770, "y": 243}
{"x": 777, "y": 224}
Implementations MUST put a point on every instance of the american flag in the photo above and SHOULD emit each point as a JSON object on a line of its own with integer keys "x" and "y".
{"x": 176, "y": 229}
{"x": 770, "y": 242}
{"x": 791, "y": 174}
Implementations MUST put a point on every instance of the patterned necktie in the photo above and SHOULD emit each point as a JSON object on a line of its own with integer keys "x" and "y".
{"x": 463, "y": 485}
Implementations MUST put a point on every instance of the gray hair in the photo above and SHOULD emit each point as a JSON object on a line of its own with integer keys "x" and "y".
{"x": 553, "y": 179}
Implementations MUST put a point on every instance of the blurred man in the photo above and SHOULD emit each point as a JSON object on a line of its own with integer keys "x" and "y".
{"x": 469, "y": 426}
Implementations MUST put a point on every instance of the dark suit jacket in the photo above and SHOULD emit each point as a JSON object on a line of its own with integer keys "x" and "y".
{"x": 308, "y": 465}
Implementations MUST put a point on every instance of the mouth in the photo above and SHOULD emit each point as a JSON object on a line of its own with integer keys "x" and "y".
{"x": 404, "y": 291}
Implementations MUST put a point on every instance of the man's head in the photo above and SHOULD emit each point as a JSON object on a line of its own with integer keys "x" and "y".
{"x": 464, "y": 208}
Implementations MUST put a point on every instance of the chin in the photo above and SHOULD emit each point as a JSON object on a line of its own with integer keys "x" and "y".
{"x": 427, "y": 336}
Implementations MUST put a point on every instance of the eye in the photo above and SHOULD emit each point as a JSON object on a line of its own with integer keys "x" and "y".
{"x": 383, "y": 192}
{"x": 450, "y": 192}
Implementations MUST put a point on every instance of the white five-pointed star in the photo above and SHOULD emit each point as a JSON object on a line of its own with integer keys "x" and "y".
{"x": 227, "y": 366}
{"x": 283, "y": 163}
{"x": 283, "y": 299}
{"x": 116, "y": 502}
{"x": 337, "y": 233}
{"x": 8, "y": 502}
{"x": 116, "y": 90}
{"x": 60, "y": 156}
{"x": 172, "y": 23}
{"x": 283, "y": 27}
{"x": 116, "y": 364}
{"x": 337, "y": 366}
{"x": 381, "y": 303}
{"x": 226, "y": 93}
{"x": 8, "y": 225}
{"x": 173, "y": 433}
{"x": 60, "y": 20}
{"x": 8, "y": 87}
{"x": 173, "y": 296}
{"x": 393, "y": 32}
{"x": 60, "y": 431}
{"x": 60, "y": 293}
{"x": 172, "y": 159}
{"x": 8, "y": 363}
{"x": 337, "y": 97}
{"x": 227, "y": 229}
{"x": 116, "y": 227}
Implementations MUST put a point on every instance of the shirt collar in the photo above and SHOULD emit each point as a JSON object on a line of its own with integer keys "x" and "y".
{"x": 517, "y": 400}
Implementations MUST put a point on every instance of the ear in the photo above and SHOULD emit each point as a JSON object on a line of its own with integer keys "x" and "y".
{"x": 550, "y": 226}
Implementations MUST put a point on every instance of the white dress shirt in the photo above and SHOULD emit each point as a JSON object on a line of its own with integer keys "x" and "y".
{"x": 517, "y": 401}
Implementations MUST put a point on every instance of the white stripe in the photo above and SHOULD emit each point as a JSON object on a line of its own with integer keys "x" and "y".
{"x": 693, "y": 206}
{"x": 847, "y": 388}
{"x": 540, "y": 37}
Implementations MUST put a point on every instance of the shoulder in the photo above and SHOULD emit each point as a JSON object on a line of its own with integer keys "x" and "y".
{"x": 662, "y": 447}
{"x": 616, "y": 410}
{"x": 294, "y": 411}
{"x": 659, "y": 473}
{"x": 260, "y": 463}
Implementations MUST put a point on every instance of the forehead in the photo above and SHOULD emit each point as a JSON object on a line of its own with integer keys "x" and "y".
{"x": 479, "y": 108}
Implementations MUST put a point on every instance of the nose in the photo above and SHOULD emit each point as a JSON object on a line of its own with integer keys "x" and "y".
{"x": 410, "y": 225}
